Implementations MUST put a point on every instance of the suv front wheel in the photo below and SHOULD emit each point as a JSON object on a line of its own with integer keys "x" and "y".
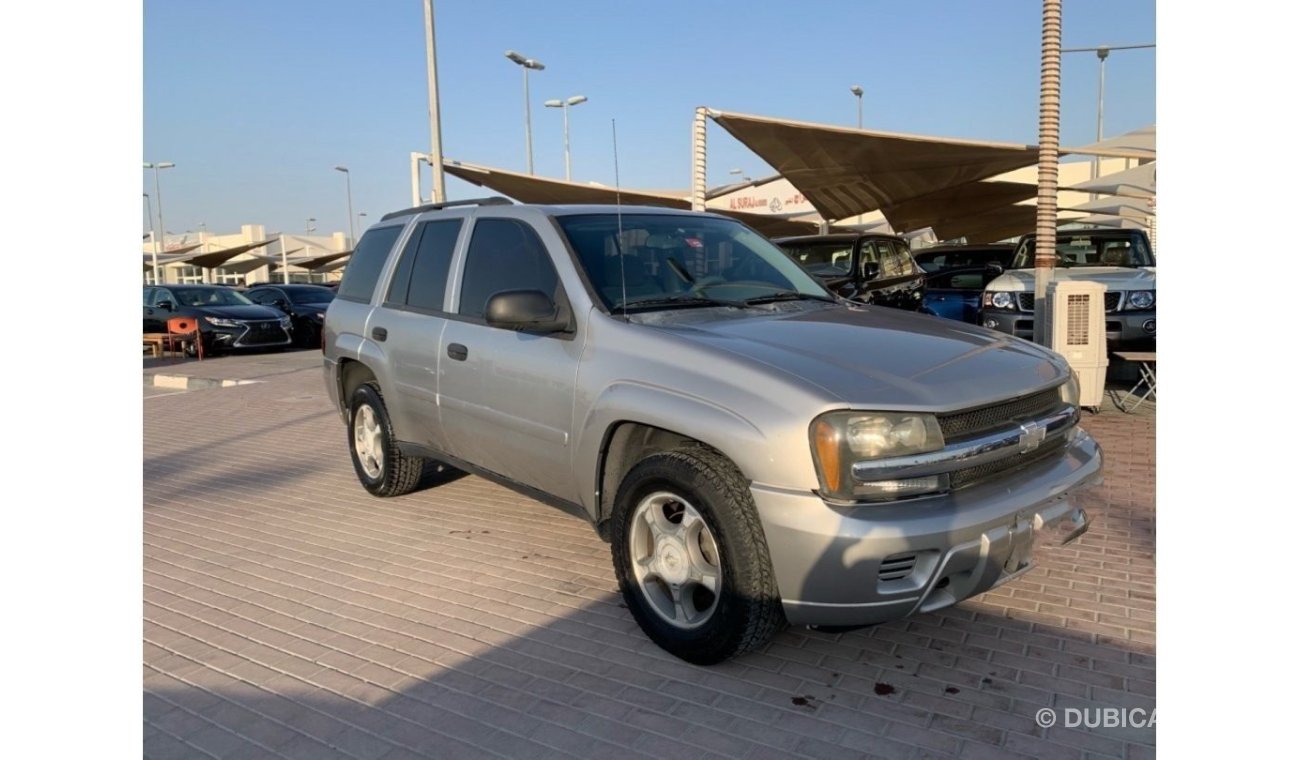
{"x": 691, "y": 558}
{"x": 380, "y": 466}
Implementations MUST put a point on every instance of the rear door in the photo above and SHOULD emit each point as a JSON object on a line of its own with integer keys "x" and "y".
{"x": 415, "y": 314}
{"x": 506, "y": 397}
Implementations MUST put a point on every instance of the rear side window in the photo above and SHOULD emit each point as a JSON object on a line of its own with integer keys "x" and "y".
{"x": 367, "y": 262}
{"x": 504, "y": 254}
{"x": 420, "y": 282}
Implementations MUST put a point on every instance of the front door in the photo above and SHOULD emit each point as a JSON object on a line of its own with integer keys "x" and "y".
{"x": 506, "y": 397}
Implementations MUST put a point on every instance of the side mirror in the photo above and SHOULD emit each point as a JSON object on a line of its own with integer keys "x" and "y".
{"x": 281, "y": 304}
{"x": 994, "y": 269}
{"x": 524, "y": 310}
{"x": 164, "y": 305}
{"x": 870, "y": 270}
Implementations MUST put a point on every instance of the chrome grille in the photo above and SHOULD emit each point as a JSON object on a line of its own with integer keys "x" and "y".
{"x": 970, "y": 475}
{"x": 261, "y": 333}
{"x": 1112, "y": 299}
{"x": 1026, "y": 301}
{"x": 957, "y": 426}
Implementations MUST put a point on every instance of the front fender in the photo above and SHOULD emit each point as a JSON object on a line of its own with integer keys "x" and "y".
{"x": 705, "y": 421}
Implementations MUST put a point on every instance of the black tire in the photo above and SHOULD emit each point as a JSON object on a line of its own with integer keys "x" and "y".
{"x": 748, "y": 607}
{"x": 396, "y": 474}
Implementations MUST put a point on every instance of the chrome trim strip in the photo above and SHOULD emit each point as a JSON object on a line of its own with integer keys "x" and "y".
{"x": 988, "y": 448}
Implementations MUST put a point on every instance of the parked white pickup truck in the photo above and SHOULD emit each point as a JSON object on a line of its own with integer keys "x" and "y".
{"x": 1121, "y": 260}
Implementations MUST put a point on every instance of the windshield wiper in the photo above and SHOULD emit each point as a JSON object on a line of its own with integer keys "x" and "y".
{"x": 787, "y": 295}
{"x": 686, "y": 300}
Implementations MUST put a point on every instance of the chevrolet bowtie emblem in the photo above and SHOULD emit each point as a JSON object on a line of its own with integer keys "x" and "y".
{"x": 1031, "y": 435}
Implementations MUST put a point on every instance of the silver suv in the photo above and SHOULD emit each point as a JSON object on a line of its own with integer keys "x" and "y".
{"x": 756, "y": 449}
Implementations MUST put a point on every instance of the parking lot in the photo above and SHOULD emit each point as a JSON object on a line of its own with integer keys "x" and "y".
{"x": 288, "y": 613}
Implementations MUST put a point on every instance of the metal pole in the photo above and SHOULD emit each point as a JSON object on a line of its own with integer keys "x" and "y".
{"x": 435, "y": 122}
{"x": 284, "y": 258}
{"x": 859, "y": 112}
{"x": 352, "y": 233}
{"x": 153, "y": 237}
{"x": 161, "y": 238}
{"x": 1101, "y": 104}
{"x": 568, "y": 172}
{"x": 1049, "y": 138}
{"x": 528, "y": 123}
{"x": 415, "y": 179}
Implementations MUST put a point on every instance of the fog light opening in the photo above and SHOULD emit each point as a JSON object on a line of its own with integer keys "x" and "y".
{"x": 1149, "y": 326}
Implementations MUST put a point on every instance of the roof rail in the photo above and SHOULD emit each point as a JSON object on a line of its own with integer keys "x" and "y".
{"x": 495, "y": 200}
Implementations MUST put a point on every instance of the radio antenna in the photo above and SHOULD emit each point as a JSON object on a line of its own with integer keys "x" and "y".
{"x": 618, "y": 211}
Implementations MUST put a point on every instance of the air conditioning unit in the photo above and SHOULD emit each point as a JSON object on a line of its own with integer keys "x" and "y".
{"x": 1076, "y": 329}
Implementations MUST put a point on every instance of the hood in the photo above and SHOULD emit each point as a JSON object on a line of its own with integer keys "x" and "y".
{"x": 873, "y": 357}
{"x": 1114, "y": 278}
{"x": 250, "y": 311}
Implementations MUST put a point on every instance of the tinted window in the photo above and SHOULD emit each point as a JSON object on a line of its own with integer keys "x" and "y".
{"x": 263, "y": 296}
{"x": 421, "y": 278}
{"x": 148, "y": 294}
{"x": 211, "y": 296}
{"x": 826, "y": 258}
{"x": 504, "y": 254}
{"x": 362, "y": 271}
{"x": 311, "y": 294}
{"x": 163, "y": 294}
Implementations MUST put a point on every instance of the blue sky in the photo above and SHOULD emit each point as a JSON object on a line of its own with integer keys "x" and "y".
{"x": 256, "y": 101}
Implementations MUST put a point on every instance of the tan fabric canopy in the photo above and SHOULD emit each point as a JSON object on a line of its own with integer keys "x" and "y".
{"x": 317, "y": 261}
{"x": 989, "y": 226}
{"x": 167, "y": 257}
{"x": 955, "y": 203}
{"x": 844, "y": 171}
{"x": 215, "y": 259}
{"x": 528, "y": 188}
{"x": 1116, "y": 205}
{"x": 1139, "y": 144}
{"x": 1138, "y": 182}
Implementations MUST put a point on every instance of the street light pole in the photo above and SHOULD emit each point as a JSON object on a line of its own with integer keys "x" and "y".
{"x": 348, "y": 174}
{"x": 527, "y": 63}
{"x": 564, "y": 106}
{"x": 1103, "y": 52}
{"x": 162, "y": 229}
{"x": 359, "y": 215}
{"x": 857, "y": 92}
{"x": 153, "y": 237}
{"x": 435, "y": 122}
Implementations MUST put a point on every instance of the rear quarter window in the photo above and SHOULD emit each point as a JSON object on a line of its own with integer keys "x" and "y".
{"x": 362, "y": 272}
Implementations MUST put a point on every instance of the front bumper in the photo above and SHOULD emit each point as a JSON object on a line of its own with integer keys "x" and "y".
{"x": 246, "y": 335}
{"x": 874, "y": 563}
{"x": 1122, "y": 328}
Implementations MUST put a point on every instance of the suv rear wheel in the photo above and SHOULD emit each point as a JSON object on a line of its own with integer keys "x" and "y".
{"x": 380, "y": 466}
{"x": 691, "y": 558}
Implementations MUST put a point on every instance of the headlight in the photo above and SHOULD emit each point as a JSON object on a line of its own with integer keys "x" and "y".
{"x": 998, "y": 299}
{"x": 841, "y": 438}
{"x": 1070, "y": 391}
{"x": 222, "y": 322}
{"x": 1141, "y": 299}
{"x": 320, "y": 316}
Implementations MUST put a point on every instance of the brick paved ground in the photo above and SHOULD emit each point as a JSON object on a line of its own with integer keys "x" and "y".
{"x": 289, "y": 614}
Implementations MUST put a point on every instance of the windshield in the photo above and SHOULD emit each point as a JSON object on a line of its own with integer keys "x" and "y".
{"x": 211, "y": 297}
{"x": 669, "y": 261}
{"x": 311, "y": 295}
{"x": 827, "y": 258}
{"x": 960, "y": 258}
{"x": 1086, "y": 249}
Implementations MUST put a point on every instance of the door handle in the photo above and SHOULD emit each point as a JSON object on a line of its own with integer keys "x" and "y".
{"x": 457, "y": 352}
{"x": 379, "y": 333}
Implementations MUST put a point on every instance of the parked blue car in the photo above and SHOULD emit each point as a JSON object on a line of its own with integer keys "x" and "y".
{"x": 956, "y": 276}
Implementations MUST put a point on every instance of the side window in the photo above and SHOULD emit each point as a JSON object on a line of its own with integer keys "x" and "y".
{"x": 163, "y": 294}
{"x": 148, "y": 296}
{"x": 262, "y": 296}
{"x": 905, "y": 262}
{"x": 362, "y": 271}
{"x": 504, "y": 254}
{"x": 421, "y": 278}
{"x": 891, "y": 265}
